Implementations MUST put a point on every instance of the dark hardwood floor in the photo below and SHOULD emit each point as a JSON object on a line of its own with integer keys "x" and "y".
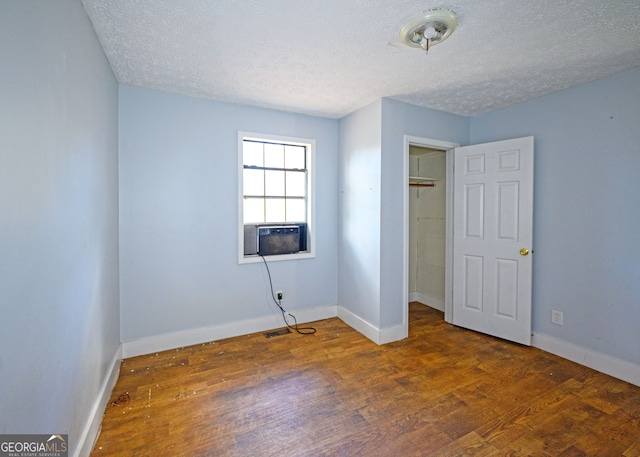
{"x": 443, "y": 391}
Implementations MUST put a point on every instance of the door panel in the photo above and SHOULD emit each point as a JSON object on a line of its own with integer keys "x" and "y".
{"x": 474, "y": 211}
{"x": 508, "y": 193}
{"x": 493, "y": 217}
{"x": 507, "y": 287}
{"x": 473, "y": 282}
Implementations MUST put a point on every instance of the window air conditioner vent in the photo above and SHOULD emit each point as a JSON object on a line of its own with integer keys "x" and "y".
{"x": 280, "y": 239}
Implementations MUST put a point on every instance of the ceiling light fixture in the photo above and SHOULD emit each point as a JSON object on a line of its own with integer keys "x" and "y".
{"x": 429, "y": 28}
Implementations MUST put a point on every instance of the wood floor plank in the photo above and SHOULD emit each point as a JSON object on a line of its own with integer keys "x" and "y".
{"x": 443, "y": 391}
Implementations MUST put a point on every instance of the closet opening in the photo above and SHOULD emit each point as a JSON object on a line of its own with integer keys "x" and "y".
{"x": 427, "y": 225}
{"x": 428, "y": 222}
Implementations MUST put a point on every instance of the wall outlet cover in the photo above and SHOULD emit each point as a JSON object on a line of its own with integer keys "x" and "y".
{"x": 557, "y": 317}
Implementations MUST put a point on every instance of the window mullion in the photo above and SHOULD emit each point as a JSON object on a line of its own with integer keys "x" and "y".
{"x": 255, "y": 167}
{"x": 284, "y": 177}
{"x": 264, "y": 192}
{"x": 273, "y": 197}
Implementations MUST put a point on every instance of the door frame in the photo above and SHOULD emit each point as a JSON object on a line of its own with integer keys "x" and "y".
{"x": 449, "y": 147}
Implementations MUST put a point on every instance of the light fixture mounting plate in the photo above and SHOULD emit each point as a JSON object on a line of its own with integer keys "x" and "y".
{"x": 443, "y": 21}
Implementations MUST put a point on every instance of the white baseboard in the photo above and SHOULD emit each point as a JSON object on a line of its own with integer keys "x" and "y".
{"x": 428, "y": 300}
{"x": 376, "y": 335}
{"x": 607, "y": 364}
{"x": 92, "y": 428}
{"x": 218, "y": 332}
{"x": 358, "y": 324}
{"x": 391, "y": 334}
{"x": 202, "y": 335}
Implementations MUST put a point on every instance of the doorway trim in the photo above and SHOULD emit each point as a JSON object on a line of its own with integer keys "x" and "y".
{"x": 449, "y": 147}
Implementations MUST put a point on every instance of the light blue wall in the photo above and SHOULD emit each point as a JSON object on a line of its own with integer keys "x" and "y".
{"x": 59, "y": 329}
{"x": 179, "y": 211}
{"x": 586, "y": 209}
{"x": 400, "y": 119}
{"x": 372, "y": 219}
{"x": 359, "y": 241}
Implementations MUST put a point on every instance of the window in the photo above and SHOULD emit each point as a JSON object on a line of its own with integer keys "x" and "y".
{"x": 275, "y": 190}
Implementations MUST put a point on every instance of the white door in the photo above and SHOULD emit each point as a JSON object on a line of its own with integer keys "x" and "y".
{"x": 492, "y": 238}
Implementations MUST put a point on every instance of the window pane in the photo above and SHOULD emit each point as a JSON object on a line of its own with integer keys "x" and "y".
{"x": 275, "y": 210}
{"x": 274, "y": 183}
{"x": 296, "y": 210}
{"x": 296, "y": 184}
{"x": 253, "y": 182}
{"x": 294, "y": 157}
{"x": 253, "y": 210}
{"x": 252, "y": 154}
{"x": 274, "y": 155}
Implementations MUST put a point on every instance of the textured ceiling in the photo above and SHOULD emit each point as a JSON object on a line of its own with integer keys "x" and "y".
{"x": 331, "y": 57}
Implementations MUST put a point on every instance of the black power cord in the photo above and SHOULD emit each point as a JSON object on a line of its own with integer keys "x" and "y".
{"x": 300, "y": 330}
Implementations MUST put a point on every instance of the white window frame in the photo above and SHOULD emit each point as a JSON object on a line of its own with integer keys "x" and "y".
{"x": 311, "y": 193}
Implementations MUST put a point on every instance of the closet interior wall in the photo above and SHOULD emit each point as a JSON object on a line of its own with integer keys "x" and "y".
{"x": 427, "y": 210}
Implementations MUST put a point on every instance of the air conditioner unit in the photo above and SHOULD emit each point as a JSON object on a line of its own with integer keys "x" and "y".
{"x": 279, "y": 239}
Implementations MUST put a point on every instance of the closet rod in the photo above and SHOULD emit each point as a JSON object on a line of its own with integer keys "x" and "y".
{"x": 421, "y": 185}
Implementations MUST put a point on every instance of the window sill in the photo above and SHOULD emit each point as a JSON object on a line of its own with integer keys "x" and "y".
{"x": 276, "y": 258}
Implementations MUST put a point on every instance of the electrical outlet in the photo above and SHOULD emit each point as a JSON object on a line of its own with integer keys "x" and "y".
{"x": 279, "y": 295}
{"x": 556, "y": 317}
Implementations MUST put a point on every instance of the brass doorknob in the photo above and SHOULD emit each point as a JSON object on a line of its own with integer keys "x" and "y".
{"x": 524, "y": 251}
